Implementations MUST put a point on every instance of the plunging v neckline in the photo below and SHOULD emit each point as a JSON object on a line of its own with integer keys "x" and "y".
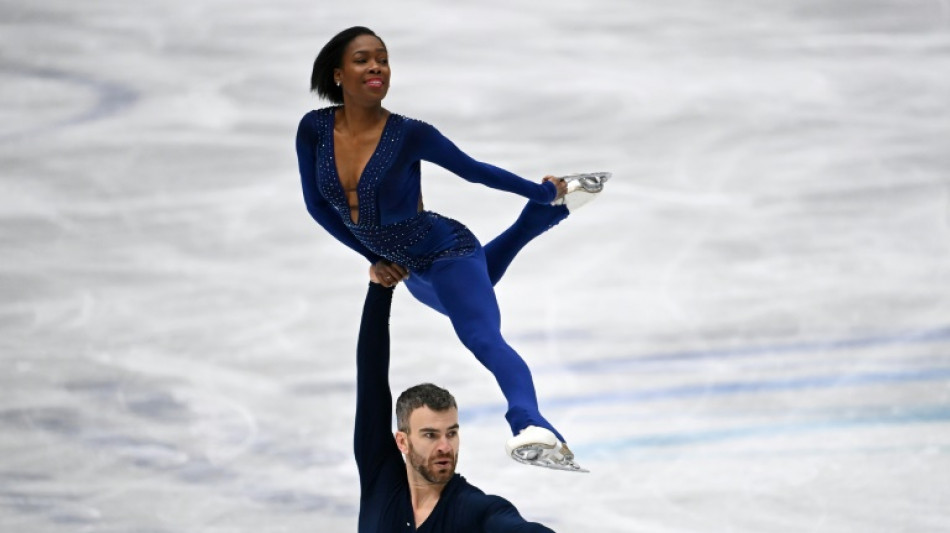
{"x": 359, "y": 179}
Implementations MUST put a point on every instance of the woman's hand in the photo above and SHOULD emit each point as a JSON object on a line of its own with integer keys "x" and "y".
{"x": 559, "y": 183}
{"x": 386, "y": 273}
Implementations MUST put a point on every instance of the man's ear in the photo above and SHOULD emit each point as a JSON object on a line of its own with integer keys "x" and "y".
{"x": 402, "y": 442}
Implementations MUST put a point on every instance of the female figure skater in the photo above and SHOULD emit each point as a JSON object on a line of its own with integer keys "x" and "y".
{"x": 360, "y": 172}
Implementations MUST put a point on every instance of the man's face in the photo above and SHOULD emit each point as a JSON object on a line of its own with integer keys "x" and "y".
{"x": 431, "y": 446}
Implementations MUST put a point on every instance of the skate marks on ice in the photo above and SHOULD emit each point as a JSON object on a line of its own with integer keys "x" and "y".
{"x": 80, "y": 99}
{"x": 115, "y": 445}
{"x": 759, "y": 342}
{"x": 909, "y": 365}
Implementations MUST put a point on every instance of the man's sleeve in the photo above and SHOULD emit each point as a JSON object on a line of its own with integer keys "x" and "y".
{"x": 500, "y": 516}
{"x": 373, "y": 442}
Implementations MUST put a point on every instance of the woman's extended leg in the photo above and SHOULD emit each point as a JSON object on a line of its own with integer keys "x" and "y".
{"x": 534, "y": 220}
{"x": 463, "y": 287}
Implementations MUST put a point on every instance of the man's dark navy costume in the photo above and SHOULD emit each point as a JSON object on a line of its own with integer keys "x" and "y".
{"x": 385, "y": 503}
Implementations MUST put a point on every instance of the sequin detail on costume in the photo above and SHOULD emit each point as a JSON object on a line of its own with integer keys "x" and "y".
{"x": 394, "y": 241}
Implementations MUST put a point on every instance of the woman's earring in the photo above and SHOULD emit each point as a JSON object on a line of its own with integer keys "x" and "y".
{"x": 337, "y": 83}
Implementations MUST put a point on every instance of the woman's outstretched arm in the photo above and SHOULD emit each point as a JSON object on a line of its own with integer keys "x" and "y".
{"x": 434, "y": 147}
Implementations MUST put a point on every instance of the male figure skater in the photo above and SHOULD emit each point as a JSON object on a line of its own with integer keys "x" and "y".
{"x": 421, "y": 492}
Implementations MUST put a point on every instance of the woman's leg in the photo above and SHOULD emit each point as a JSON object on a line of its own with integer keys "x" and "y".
{"x": 463, "y": 288}
{"x": 535, "y": 219}
{"x": 421, "y": 288}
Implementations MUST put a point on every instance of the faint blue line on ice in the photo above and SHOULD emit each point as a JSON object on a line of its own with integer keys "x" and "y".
{"x": 930, "y": 414}
{"x": 111, "y": 98}
{"x": 742, "y": 387}
{"x": 941, "y": 334}
{"x": 729, "y": 388}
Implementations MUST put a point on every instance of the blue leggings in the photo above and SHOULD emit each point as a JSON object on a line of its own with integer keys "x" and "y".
{"x": 463, "y": 289}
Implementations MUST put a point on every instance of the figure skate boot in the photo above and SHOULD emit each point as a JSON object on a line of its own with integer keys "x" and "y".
{"x": 538, "y": 446}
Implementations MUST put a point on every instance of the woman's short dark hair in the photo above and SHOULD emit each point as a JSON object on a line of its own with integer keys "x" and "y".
{"x": 425, "y": 394}
{"x": 331, "y": 57}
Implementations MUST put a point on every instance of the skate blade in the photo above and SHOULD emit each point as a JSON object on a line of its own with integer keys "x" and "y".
{"x": 591, "y": 183}
{"x": 545, "y": 457}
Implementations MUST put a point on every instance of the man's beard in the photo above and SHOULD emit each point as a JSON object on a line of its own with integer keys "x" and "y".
{"x": 419, "y": 464}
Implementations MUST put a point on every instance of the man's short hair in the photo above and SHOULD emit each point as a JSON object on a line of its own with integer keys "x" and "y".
{"x": 425, "y": 394}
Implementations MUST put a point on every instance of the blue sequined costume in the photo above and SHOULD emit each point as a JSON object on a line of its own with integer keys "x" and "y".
{"x": 451, "y": 271}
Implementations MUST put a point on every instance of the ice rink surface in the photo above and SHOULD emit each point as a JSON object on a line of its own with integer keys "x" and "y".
{"x": 749, "y": 332}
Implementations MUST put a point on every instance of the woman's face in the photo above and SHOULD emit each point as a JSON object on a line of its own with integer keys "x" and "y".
{"x": 364, "y": 71}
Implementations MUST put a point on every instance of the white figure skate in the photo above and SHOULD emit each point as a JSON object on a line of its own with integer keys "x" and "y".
{"x": 537, "y": 446}
{"x": 581, "y": 189}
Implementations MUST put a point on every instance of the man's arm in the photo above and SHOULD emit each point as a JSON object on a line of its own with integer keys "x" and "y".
{"x": 500, "y": 516}
{"x": 373, "y": 441}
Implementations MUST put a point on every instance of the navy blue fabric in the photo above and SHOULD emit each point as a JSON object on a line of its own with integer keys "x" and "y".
{"x": 385, "y": 505}
{"x": 395, "y": 164}
{"x": 389, "y": 189}
{"x": 463, "y": 288}
{"x": 450, "y": 271}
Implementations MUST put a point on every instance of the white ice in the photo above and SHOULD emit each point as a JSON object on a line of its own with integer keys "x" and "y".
{"x": 749, "y": 332}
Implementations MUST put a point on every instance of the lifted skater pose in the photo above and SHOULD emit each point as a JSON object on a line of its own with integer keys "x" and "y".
{"x": 360, "y": 172}
{"x": 423, "y": 493}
